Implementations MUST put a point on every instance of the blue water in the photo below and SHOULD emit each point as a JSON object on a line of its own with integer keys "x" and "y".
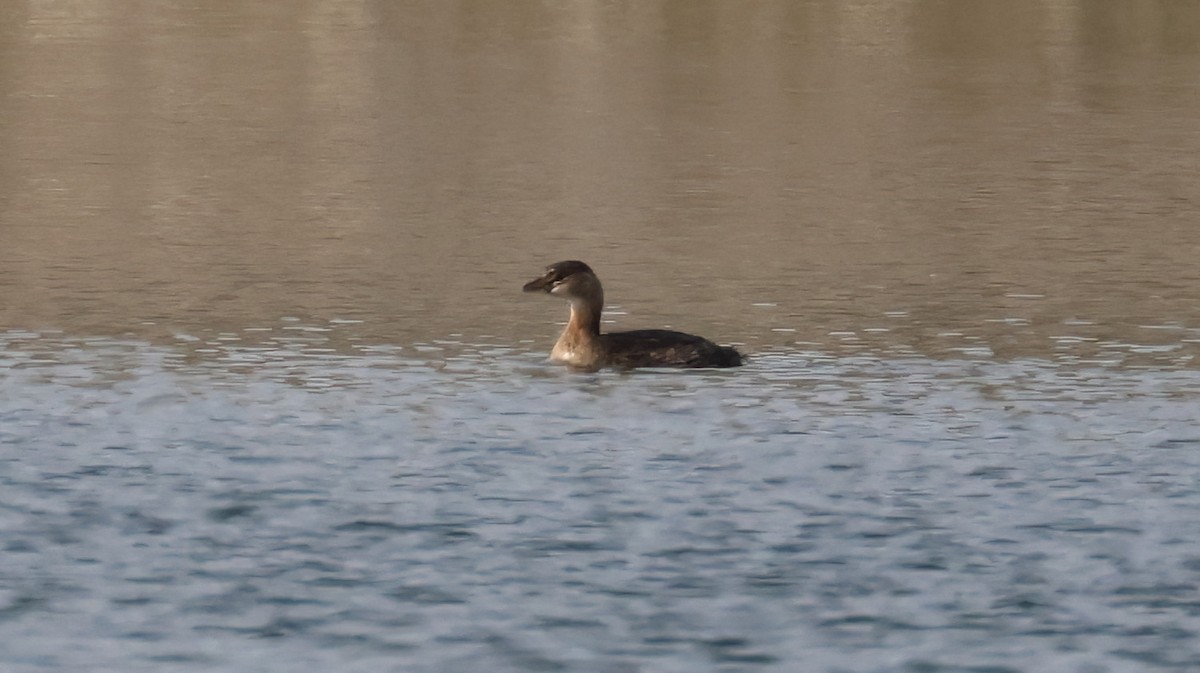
{"x": 470, "y": 508}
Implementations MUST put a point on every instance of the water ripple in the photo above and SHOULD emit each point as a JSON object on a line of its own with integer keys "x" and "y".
{"x": 955, "y": 515}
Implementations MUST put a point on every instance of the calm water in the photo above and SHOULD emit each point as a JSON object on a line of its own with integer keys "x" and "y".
{"x": 271, "y": 399}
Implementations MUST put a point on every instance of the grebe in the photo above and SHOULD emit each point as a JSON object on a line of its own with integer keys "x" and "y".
{"x": 583, "y": 346}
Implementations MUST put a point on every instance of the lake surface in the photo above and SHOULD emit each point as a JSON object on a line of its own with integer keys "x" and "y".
{"x": 271, "y": 398}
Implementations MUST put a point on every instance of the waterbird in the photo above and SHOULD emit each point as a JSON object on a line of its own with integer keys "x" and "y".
{"x": 583, "y": 346}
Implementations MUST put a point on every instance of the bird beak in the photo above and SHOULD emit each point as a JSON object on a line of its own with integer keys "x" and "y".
{"x": 538, "y": 284}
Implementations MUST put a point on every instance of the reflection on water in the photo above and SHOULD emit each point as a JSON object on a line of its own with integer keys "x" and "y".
{"x": 466, "y": 509}
{"x": 271, "y": 398}
{"x": 1015, "y": 172}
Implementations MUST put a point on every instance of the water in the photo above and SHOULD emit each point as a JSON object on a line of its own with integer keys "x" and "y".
{"x": 481, "y": 509}
{"x": 271, "y": 398}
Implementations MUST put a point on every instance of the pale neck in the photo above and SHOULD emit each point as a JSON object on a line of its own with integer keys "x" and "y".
{"x": 585, "y": 316}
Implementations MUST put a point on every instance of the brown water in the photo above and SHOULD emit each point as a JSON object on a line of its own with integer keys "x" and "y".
{"x": 936, "y": 177}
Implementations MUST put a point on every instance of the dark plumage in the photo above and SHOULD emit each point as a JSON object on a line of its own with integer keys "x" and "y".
{"x": 665, "y": 348}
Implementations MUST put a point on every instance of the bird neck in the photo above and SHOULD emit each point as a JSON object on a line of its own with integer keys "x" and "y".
{"x": 585, "y": 317}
